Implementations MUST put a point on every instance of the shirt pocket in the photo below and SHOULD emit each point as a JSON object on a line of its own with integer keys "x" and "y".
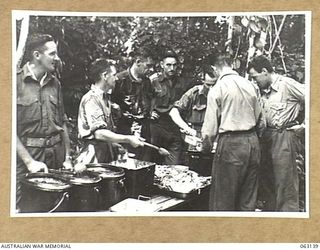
{"x": 28, "y": 110}
{"x": 278, "y": 107}
{"x": 160, "y": 90}
{"x": 55, "y": 109}
{"x": 198, "y": 112}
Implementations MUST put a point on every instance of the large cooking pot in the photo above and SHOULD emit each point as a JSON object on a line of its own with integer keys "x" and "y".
{"x": 84, "y": 192}
{"x": 112, "y": 185}
{"x": 44, "y": 192}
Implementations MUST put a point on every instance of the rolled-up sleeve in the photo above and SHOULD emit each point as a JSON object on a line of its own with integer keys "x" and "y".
{"x": 184, "y": 104}
{"x": 211, "y": 122}
{"x": 91, "y": 118}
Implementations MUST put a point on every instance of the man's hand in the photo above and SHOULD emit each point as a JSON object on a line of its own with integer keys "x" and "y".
{"x": 135, "y": 141}
{"x": 37, "y": 166}
{"x": 154, "y": 115}
{"x": 67, "y": 164}
{"x": 299, "y": 128}
{"x": 189, "y": 131}
{"x": 79, "y": 167}
{"x": 136, "y": 128}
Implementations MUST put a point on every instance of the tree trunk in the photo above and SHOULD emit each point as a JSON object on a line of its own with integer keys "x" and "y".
{"x": 22, "y": 40}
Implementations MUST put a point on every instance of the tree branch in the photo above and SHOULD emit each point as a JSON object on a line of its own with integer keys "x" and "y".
{"x": 278, "y": 31}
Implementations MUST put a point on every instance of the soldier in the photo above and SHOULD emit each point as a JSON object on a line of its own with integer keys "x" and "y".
{"x": 188, "y": 113}
{"x": 95, "y": 123}
{"x": 168, "y": 87}
{"x": 42, "y": 135}
{"x": 234, "y": 113}
{"x": 133, "y": 94}
{"x": 283, "y": 99}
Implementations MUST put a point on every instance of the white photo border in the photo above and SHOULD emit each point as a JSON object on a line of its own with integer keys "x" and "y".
{"x": 17, "y": 14}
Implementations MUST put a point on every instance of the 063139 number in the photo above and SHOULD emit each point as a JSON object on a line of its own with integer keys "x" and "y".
{"x": 309, "y": 245}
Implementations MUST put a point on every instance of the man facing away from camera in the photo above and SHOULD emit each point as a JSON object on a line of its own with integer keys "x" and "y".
{"x": 42, "y": 136}
{"x": 95, "y": 122}
{"x": 283, "y": 99}
{"x": 234, "y": 113}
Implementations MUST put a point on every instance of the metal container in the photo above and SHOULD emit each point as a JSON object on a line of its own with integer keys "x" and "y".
{"x": 112, "y": 189}
{"x": 200, "y": 163}
{"x": 85, "y": 193}
{"x": 44, "y": 192}
{"x": 139, "y": 176}
{"x": 85, "y": 190}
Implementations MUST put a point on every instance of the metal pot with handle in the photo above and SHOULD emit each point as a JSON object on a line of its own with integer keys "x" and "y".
{"x": 85, "y": 190}
{"x": 44, "y": 192}
{"x": 112, "y": 184}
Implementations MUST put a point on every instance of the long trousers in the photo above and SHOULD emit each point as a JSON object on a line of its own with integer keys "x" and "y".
{"x": 234, "y": 172}
{"x": 278, "y": 176}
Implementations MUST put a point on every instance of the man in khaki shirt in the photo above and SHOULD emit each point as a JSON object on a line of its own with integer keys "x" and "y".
{"x": 234, "y": 113}
{"x": 42, "y": 135}
{"x": 283, "y": 100}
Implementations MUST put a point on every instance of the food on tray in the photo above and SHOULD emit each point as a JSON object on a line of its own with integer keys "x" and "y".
{"x": 179, "y": 179}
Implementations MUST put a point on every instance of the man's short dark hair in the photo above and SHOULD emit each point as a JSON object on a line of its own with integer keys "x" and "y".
{"x": 219, "y": 58}
{"x": 169, "y": 53}
{"x": 260, "y": 62}
{"x": 143, "y": 53}
{"x": 98, "y": 67}
{"x": 207, "y": 69}
{"x": 36, "y": 42}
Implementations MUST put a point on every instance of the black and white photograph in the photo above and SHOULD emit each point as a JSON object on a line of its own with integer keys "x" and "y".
{"x": 162, "y": 114}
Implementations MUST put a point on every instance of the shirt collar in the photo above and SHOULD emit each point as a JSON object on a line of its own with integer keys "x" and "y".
{"x": 203, "y": 91}
{"x": 28, "y": 72}
{"x": 275, "y": 84}
{"x": 162, "y": 77}
{"x": 97, "y": 90}
{"x": 227, "y": 71}
{"x": 132, "y": 77}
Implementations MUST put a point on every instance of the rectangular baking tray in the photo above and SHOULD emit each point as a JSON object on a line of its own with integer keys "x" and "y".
{"x": 179, "y": 195}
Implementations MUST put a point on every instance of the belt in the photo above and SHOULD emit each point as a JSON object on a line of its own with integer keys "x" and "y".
{"x": 280, "y": 129}
{"x": 42, "y": 142}
{"x": 239, "y": 132}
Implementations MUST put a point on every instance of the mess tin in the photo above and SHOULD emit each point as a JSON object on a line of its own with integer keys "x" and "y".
{"x": 44, "y": 192}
